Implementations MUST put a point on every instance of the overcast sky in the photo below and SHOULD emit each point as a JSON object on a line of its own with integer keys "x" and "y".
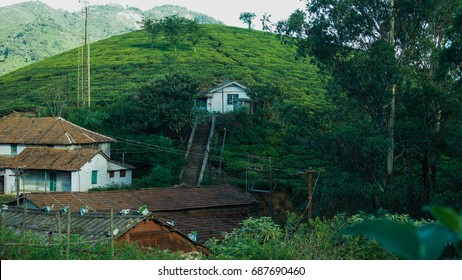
{"x": 227, "y": 11}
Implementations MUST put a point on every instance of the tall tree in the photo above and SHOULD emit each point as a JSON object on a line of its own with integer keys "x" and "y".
{"x": 247, "y": 18}
{"x": 266, "y": 22}
{"x": 175, "y": 29}
{"x": 153, "y": 29}
{"x": 377, "y": 51}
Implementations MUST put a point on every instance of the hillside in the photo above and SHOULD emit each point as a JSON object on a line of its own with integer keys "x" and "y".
{"x": 121, "y": 63}
{"x": 32, "y": 31}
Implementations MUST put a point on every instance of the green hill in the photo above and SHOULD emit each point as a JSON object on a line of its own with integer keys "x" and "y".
{"x": 119, "y": 64}
{"x": 32, "y": 31}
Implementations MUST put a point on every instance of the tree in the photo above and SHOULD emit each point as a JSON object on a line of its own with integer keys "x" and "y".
{"x": 377, "y": 52}
{"x": 166, "y": 105}
{"x": 247, "y": 18}
{"x": 153, "y": 28}
{"x": 175, "y": 29}
{"x": 266, "y": 22}
{"x": 194, "y": 33}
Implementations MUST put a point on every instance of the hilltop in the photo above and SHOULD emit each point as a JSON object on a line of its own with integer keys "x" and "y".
{"x": 121, "y": 63}
{"x": 32, "y": 31}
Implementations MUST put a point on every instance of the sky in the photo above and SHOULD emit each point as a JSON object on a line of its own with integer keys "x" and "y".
{"x": 227, "y": 11}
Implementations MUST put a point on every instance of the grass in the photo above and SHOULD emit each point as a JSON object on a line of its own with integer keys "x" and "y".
{"x": 119, "y": 64}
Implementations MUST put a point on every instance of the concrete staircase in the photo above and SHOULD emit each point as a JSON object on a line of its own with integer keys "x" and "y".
{"x": 197, "y": 156}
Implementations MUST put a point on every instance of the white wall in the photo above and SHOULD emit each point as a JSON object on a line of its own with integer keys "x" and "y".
{"x": 220, "y": 99}
{"x": 127, "y": 180}
{"x": 5, "y": 149}
{"x": 81, "y": 180}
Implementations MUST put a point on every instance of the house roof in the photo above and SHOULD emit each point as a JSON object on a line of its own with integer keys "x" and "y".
{"x": 113, "y": 165}
{"x": 90, "y": 226}
{"x": 44, "y": 158}
{"x": 46, "y": 131}
{"x": 225, "y": 84}
{"x": 156, "y": 199}
{"x": 209, "y": 211}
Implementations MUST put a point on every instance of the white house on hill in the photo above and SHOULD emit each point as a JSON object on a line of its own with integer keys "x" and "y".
{"x": 53, "y": 155}
{"x": 225, "y": 97}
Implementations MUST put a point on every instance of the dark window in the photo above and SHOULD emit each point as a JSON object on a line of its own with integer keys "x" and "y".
{"x": 122, "y": 173}
{"x": 111, "y": 174}
{"x": 14, "y": 149}
{"x": 232, "y": 98}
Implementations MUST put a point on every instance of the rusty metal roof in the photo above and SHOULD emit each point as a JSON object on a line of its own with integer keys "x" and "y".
{"x": 89, "y": 226}
{"x": 44, "y": 158}
{"x": 47, "y": 131}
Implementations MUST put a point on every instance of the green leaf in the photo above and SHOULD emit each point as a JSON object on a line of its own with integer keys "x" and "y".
{"x": 398, "y": 238}
{"x": 433, "y": 238}
{"x": 447, "y": 217}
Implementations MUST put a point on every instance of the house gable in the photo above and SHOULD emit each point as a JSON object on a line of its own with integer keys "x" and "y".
{"x": 225, "y": 97}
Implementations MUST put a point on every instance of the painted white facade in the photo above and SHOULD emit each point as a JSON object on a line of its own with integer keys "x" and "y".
{"x": 225, "y": 98}
{"x": 76, "y": 181}
{"x": 119, "y": 175}
{"x": 6, "y": 149}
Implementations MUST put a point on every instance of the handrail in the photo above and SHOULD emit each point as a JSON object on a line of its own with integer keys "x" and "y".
{"x": 188, "y": 149}
{"x": 207, "y": 151}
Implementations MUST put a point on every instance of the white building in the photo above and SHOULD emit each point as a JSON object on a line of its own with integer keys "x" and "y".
{"x": 53, "y": 155}
{"x": 225, "y": 97}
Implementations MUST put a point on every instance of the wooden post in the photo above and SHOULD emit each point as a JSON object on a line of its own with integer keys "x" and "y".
{"x": 68, "y": 247}
{"x": 3, "y": 223}
{"x": 24, "y": 217}
{"x": 310, "y": 197}
{"x": 60, "y": 233}
{"x": 112, "y": 233}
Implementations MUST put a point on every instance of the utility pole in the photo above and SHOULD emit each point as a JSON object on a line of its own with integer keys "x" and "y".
{"x": 310, "y": 172}
{"x": 391, "y": 116}
{"x": 83, "y": 87}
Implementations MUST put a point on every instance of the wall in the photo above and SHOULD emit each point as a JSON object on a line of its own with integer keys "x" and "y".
{"x": 150, "y": 234}
{"x": 81, "y": 180}
{"x": 127, "y": 180}
{"x": 5, "y": 149}
{"x": 219, "y": 100}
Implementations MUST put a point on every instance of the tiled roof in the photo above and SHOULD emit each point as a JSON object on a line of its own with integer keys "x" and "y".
{"x": 156, "y": 199}
{"x": 46, "y": 131}
{"x": 43, "y": 158}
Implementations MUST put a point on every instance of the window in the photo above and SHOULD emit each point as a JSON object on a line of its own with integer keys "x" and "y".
{"x": 14, "y": 149}
{"x": 111, "y": 174}
{"x": 122, "y": 173}
{"x": 232, "y": 98}
{"x": 94, "y": 177}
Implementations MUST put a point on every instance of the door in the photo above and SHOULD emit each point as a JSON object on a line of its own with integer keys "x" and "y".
{"x": 52, "y": 181}
{"x": 2, "y": 184}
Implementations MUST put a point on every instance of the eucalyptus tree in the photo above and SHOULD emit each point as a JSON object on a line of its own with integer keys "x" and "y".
{"x": 377, "y": 52}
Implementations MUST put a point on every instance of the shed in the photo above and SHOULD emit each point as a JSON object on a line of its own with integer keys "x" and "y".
{"x": 148, "y": 231}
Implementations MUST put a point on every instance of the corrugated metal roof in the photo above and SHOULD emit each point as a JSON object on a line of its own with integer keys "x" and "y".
{"x": 47, "y": 131}
{"x": 44, "y": 158}
{"x": 90, "y": 226}
{"x": 225, "y": 84}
